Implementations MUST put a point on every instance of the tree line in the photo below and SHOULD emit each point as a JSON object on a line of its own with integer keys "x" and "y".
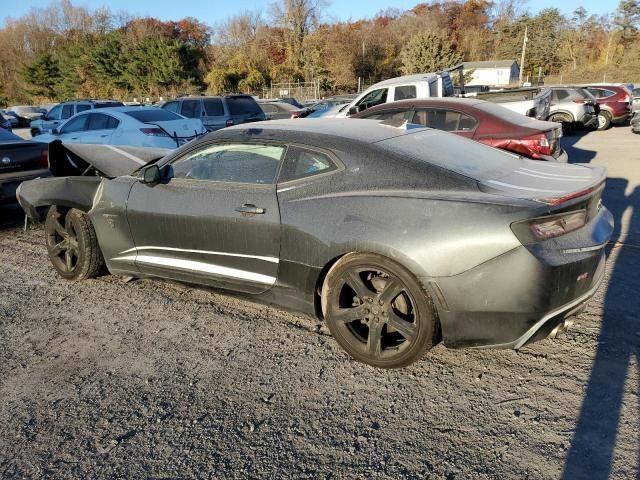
{"x": 65, "y": 51}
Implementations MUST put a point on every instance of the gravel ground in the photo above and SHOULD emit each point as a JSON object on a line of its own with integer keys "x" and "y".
{"x": 154, "y": 379}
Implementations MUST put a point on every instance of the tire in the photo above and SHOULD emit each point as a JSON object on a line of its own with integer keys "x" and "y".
{"x": 72, "y": 244}
{"x": 563, "y": 119}
{"x": 386, "y": 325}
{"x": 604, "y": 120}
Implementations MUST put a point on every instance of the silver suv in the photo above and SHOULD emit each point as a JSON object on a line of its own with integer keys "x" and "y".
{"x": 571, "y": 106}
{"x": 218, "y": 112}
{"x": 65, "y": 110}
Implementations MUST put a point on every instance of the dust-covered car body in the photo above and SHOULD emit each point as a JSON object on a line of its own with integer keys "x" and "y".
{"x": 504, "y": 247}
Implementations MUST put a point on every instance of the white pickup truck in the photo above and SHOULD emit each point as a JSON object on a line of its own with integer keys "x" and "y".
{"x": 532, "y": 102}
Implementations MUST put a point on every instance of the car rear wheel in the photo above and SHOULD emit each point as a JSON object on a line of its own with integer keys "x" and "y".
{"x": 604, "y": 120}
{"x": 564, "y": 120}
{"x": 72, "y": 244}
{"x": 377, "y": 311}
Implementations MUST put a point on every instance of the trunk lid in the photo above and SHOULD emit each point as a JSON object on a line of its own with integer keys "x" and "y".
{"x": 22, "y": 156}
{"x": 182, "y": 129}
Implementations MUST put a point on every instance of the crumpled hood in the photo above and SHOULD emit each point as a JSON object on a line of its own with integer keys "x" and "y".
{"x": 68, "y": 159}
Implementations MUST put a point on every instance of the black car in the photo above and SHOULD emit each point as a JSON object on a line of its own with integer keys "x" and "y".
{"x": 219, "y": 111}
{"x": 20, "y": 160}
{"x": 396, "y": 236}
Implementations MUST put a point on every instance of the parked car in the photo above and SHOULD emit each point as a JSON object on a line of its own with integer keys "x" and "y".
{"x": 137, "y": 126}
{"x": 635, "y": 122}
{"x": 26, "y": 114}
{"x": 218, "y": 112}
{"x": 478, "y": 120}
{"x": 635, "y": 98}
{"x": 327, "y": 112}
{"x": 396, "y": 237}
{"x": 534, "y": 102}
{"x": 20, "y": 160}
{"x": 615, "y": 105}
{"x": 290, "y": 101}
{"x": 571, "y": 106}
{"x": 65, "y": 110}
{"x": 11, "y": 119}
{"x": 280, "y": 110}
{"x": 321, "y": 108}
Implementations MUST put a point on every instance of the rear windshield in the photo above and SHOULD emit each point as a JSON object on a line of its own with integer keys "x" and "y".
{"x": 6, "y": 135}
{"x": 243, "y": 106}
{"x": 108, "y": 104}
{"x": 460, "y": 155}
{"x": 153, "y": 115}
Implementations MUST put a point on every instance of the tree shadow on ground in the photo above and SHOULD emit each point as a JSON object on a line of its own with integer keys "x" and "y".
{"x": 592, "y": 450}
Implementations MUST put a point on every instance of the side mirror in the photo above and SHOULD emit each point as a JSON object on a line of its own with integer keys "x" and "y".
{"x": 353, "y": 110}
{"x": 151, "y": 174}
{"x": 55, "y": 131}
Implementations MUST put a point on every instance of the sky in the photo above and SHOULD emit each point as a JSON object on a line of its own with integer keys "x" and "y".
{"x": 216, "y": 11}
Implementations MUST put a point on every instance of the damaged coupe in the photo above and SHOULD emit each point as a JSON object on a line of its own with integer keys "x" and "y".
{"x": 397, "y": 237}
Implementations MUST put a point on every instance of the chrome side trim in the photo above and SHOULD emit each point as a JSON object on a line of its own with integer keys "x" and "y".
{"x": 206, "y": 252}
{"x": 198, "y": 267}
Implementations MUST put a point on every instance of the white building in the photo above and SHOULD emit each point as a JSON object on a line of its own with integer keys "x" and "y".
{"x": 492, "y": 72}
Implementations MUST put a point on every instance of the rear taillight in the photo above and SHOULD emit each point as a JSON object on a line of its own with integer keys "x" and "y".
{"x": 296, "y": 114}
{"x": 154, "y": 132}
{"x": 544, "y": 228}
{"x": 229, "y": 123}
{"x": 626, "y": 99}
{"x": 539, "y": 144}
{"x": 44, "y": 159}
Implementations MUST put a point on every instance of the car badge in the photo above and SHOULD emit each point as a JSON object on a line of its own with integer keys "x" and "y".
{"x": 6, "y": 160}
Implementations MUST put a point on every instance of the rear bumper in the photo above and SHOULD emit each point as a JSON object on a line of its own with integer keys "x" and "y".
{"x": 508, "y": 301}
{"x": 10, "y": 181}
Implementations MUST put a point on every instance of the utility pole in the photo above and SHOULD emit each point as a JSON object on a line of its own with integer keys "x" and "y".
{"x": 524, "y": 49}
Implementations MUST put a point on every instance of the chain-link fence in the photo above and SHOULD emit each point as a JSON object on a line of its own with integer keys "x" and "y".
{"x": 301, "y": 91}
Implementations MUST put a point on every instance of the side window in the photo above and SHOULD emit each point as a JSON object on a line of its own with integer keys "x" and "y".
{"x": 562, "y": 94}
{"x": 171, "y": 106}
{"x": 54, "y": 114}
{"x": 373, "y": 98}
{"x": 301, "y": 163}
{"x": 191, "y": 108}
{"x": 267, "y": 108}
{"x": 213, "y": 107}
{"x": 81, "y": 107}
{"x": 100, "y": 121}
{"x": 389, "y": 115}
{"x": 242, "y": 163}
{"x": 76, "y": 124}
{"x": 446, "y": 120}
{"x": 67, "y": 112}
{"x": 405, "y": 92}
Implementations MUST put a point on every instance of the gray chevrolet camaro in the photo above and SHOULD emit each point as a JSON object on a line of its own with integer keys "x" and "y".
{"x": 398, "y": 237}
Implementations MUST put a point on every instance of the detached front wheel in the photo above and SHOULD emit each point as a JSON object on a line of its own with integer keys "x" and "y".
{"x": 72, "y": 244}
{"x": 377, "y": 311}
{"x": 604, "y": 120}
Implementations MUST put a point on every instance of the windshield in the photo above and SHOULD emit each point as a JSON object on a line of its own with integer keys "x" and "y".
{"x": 153, "y": 115}
{"x": 460, "y": 155}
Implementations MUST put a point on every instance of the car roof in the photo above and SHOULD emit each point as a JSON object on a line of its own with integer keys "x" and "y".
{"x": 404, "y": 79}
{"x": 359, "y": 130}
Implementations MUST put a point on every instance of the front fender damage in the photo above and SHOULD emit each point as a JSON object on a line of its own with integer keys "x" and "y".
{"x": 73, "y": 192}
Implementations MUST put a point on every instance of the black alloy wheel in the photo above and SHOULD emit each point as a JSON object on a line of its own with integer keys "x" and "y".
{"x": 71, "y": 244}
{"x": 378, "y": 312}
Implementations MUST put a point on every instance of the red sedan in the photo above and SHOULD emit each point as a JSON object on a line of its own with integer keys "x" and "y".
{"x": 615, "y": 104}
{"x": 479, "y": 120}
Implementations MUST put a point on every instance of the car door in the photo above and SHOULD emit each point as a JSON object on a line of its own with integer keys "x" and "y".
{"x": 213, "y": 115}
{"x": 73, "y": 129}
{"x": 213, "y": 219}
{"x": 99, "y": 128}
{"x": 191, "y": 108}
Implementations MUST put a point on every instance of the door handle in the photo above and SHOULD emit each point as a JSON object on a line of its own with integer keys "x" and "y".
{"x": 104, "y": 136}
{"x": 250, "y": 208}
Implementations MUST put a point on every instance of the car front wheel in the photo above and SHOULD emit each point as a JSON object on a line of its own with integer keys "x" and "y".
{"x": 604, "y": 120}
{"x": 72, "y": 244}
{"x": 377, "y": 311}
